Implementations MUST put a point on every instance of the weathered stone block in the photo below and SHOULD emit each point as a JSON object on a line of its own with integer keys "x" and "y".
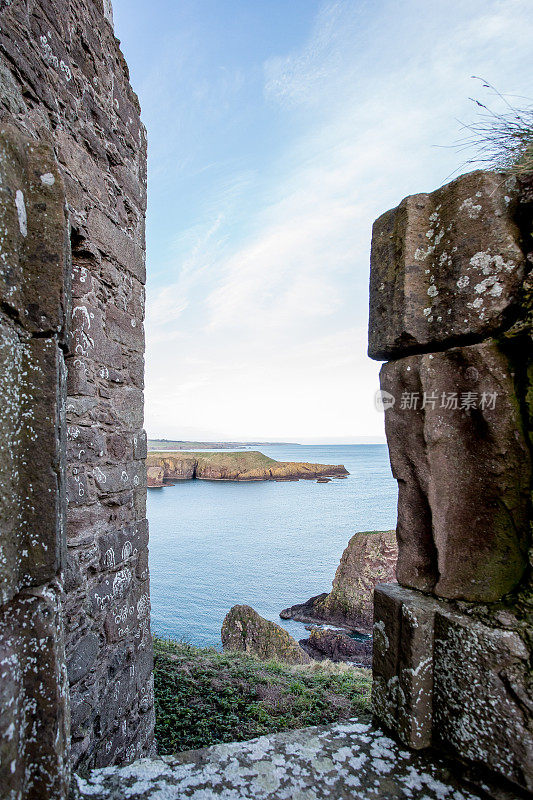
{"x": 403, "y": 663}
{"x": 113, "y": 242}
{"x": 125, "y": 544}
{"x": 483, "y": 710}
{"x": 83, "y": 657}
{"x": 30, "y": 486}
{"x": 34, "y": 720}
{"x": 84, "y": 444}
{"x": 459, "y": 453}
{"x": 33, "y": 234}
{"x": 445, "y": 266}
{"x": 455, "y": 682}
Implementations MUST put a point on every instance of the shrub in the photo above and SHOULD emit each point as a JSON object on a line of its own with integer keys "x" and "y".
{"x": 204, "y": 697}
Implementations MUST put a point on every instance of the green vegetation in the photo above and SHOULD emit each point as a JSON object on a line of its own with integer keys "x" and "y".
{"x": 203, "y": 697}
{"x": 502, "y": 140}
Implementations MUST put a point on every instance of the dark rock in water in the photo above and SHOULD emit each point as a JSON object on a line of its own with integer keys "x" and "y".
{"x": 305, "y": 612}
{"x": 245, "y": 630}
{"x": 369, "y": 558}
{"x": 337, "y": 646}
{"x": 323, "y": 480}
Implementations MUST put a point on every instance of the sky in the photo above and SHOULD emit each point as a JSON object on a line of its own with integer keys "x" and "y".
{"x": 278, "y": 131}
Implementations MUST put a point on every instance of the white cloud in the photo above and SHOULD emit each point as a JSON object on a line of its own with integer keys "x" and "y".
{"x": 271, "y": 325}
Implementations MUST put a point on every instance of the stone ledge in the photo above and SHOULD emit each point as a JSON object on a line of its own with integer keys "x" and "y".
{"x": 352, "y": 760}
{"x": 445, "y": 679}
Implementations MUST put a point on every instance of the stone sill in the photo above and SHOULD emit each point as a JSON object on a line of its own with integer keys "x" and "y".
{"x": 354, "y": 759}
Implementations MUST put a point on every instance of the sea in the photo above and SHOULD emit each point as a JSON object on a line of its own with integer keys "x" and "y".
{"x": 265, "y": 544}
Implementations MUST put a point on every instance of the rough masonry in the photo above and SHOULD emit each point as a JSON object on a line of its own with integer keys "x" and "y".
{"x": 450, "y": 306}
{"x": 64, "y": 88}
{"x": 34, "y": 270}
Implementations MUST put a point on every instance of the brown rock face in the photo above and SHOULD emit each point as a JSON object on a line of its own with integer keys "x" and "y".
{"x": 337, "y": 646}
{"x": 155, "y": 477}
{"x": 34, "y": 720}
{"x": 245, "y": 630}
{"x": 463, "y": 473}
{"x": 445, "y": 267}
{"x": 369, "y": 558}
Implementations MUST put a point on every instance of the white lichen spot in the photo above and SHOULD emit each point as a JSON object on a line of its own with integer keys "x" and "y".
{"x": 48, "y": 179}
{"x": 489, "y": 263}
{"x": 472, "y": 209}
{"x": 463, "y": 281}
{"x": 21, "y": 212}
{"x": 433, "y": 291}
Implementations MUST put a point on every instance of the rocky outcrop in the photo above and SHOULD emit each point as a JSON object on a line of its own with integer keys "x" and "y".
{"x": 451, "y": 303}
{"x": 245, "y": 630}
{"x": 155, "y": 477}
{"x": 337, "y": 646}
{"x": 369, "y": 558}
{"x": 245, "y": 466}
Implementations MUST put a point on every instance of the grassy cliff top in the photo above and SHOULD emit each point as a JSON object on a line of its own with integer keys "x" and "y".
{"x": 248, "y": 465}
{"x": 204, "y": 697}
{"x": 245, "y": 460}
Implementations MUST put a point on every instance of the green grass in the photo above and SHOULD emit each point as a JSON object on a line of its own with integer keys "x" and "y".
{"x": 203, "y": 697}
{"x": 244, "y": 460}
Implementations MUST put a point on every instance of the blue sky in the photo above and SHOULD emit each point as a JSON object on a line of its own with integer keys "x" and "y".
{"x": 278, "y": 131}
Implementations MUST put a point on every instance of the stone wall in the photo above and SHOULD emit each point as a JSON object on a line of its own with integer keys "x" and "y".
{"x": 34, "y": 269}
{"x": 64, "y": 83}
{"x": 450, "y": 305}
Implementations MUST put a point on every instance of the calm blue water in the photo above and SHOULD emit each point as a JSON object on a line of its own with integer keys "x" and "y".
{"x": 269, "y": 545}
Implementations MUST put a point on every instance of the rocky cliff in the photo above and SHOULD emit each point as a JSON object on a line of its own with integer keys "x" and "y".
{"x": 369, "y": 558}
{"x": 245, "y": 630}
{"x": 245, "y": 466}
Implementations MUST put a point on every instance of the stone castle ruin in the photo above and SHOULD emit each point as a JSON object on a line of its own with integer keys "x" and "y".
{"x": 74, "y": 549}
{"x": 450, "y": 311}
{"x": 450, "y": 306}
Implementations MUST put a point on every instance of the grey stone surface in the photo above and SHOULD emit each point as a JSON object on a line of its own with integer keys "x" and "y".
{"x": 347, "y": 760}
{"x": 455, "y": 681}
{"x": 67, "y": 86}
{"x": 34, "y": 718}
{"x": 402, "y": 687}
{"x": 483, "y": 699}
{"x": 445, "y": 267}
{"x": 459, "y": 452}
{"x": 34, "y": 294}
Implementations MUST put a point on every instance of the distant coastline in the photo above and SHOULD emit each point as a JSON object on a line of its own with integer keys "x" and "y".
{"x": 170, "y": 444}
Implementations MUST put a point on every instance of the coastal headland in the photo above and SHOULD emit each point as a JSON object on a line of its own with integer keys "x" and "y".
{"x": 166, "y": 468}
